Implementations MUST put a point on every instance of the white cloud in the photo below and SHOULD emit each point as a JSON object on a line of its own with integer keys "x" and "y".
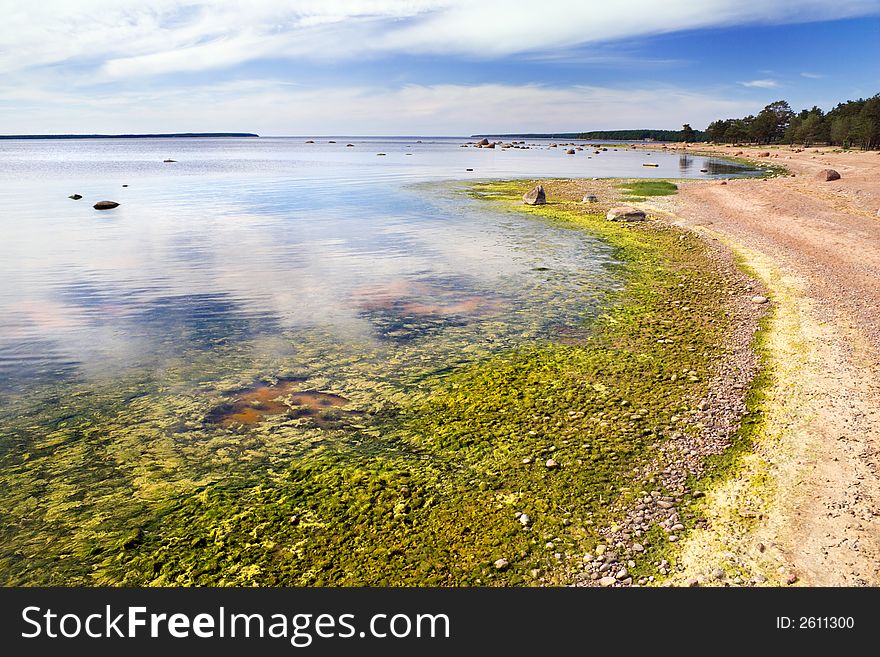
{"x": 812, "y": 76}
{"x": 280, "y": 109}
{"x": 761, "y": 84}
{"x": 145, "y": 37}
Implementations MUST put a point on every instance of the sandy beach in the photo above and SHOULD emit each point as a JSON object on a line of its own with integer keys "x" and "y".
{"x": 804, "y": 510}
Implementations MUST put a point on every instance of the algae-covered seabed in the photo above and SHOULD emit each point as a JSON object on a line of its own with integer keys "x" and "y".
{"x": 414, "y": 478}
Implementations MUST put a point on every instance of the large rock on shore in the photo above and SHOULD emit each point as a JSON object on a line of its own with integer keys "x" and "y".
{"x": 827, "y": 175}
{"x": 483, "y": 142}
{"x": 625, "y": 213}
{"x": 535, "y": 196}
{"x": 106, "y": 205}
{"x": 764, "y": 154}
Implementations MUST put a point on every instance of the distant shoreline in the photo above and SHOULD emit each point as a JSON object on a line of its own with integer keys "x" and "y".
{"x": 171, "y": 135}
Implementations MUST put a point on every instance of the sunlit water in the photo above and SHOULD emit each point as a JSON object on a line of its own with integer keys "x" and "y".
{"x": 341, "y": 276}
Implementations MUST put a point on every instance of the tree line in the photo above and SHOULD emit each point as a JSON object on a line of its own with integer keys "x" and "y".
{"x": 686, "y": 134}
{"x": 853, "y": 124}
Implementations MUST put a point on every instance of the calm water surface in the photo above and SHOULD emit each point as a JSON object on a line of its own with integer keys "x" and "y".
{"x": 135, "y": 344}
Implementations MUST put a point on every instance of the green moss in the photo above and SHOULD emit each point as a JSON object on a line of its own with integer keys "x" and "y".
{"x": 431, "y": 498}
{"x": 419, "y": 485}
{"x": 644, "y": 188}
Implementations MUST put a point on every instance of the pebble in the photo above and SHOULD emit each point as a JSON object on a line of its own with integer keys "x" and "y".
{"x": 501, "y": 564}
{"x": 760, "y": 299}
{"x": 718, "y": 573}
{"x": 551, "y": 464}
{"x": 600, "y": 550}
{"x": 524, "y": 519}
{"x": 791, "y": 579}
{"x": 677, "y": 528}
{"x": 607, "y": 581}
{"x": 638, "y": 547}
{"x": 549, "y": 546}
{"x": 622, "y": 574}
{"x": 693, "y": 582}
{"x": 527, "y": 460}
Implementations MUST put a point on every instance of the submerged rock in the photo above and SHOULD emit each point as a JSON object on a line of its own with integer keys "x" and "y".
{"x": 535, "y": 197}
{"x": 169, "y": 160}
{"x": 106, "y": 205}
{"x": 625, "y": 213}
{"x": 827, "y": 175}
{"x": 75, "y": 197}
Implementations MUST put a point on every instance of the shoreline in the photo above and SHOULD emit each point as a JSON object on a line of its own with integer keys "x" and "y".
{"x": 802, "y": 508}
{"x": 706, "y": 435}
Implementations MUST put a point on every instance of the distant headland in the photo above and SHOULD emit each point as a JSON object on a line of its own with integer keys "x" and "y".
{"x": 170, "y": 135}
{"x": 614, "y": 135}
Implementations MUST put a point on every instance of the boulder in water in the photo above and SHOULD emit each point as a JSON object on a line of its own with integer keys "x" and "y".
{"x": 106, "y": 205}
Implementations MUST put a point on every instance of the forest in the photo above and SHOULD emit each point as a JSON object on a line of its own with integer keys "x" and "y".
{"x": 852, "y": 124}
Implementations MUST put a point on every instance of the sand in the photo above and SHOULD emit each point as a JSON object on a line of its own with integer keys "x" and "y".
{"x": 806, "y": 508}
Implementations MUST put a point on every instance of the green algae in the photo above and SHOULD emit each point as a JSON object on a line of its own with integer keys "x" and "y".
{"x": 422, "y": 487}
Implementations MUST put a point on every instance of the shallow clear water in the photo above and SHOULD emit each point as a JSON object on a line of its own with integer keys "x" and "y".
{"x": 242, "y": 239}
{"x": 343, "y": 277}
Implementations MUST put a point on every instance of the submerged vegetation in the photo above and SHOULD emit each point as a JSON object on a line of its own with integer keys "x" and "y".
{"x": 515, "y": 454}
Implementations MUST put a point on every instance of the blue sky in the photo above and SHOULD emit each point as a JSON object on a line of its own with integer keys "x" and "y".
{"x": 424, "y": 66}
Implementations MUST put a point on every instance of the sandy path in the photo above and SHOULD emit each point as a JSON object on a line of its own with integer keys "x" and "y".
{"x": 807, "y": 507}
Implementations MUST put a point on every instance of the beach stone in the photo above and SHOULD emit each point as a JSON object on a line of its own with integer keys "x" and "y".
{"x": 483, "y": 142}
{"x": 622, "y": 574}
{"x": 525, "y": 520}
{"x": 591, "y": 198}
{"x": 535, "y": 197}
{"x": 625, "y": 213}
{"x": 607, "y": 581}
{"x": 570, "y": 151}
{"x": 106, "y": 205}
{"x": 764, "y": 154}
{"x": 638, "y": 547}
{"x": 827, "y": 175}
{"x": 760, "y": 299}
{"x": 551, "y": 464}
{"x": 489, "y": 145}
{"x": 501, "y": 564}
{"x": 75, "y": 197}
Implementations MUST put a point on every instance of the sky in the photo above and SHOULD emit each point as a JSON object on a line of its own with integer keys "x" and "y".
{"x": 424, "y": 67}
